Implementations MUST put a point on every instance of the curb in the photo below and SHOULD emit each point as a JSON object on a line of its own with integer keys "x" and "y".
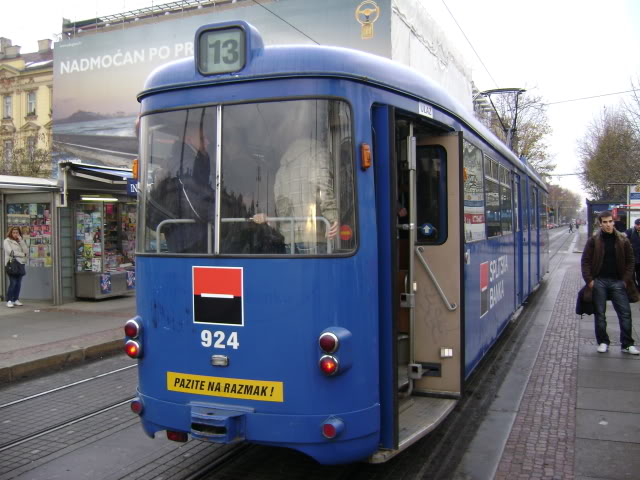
{"x": 59, "y": 361}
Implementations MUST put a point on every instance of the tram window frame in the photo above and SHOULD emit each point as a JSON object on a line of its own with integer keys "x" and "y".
{"x": 426, "y": 195}
{"x": 544, "y": 210}
{"x": 516, "y": 192}
{"x": 474, "y": 197}
{"x": 533, "y": 218}
{"x": 341, "y": 156}
{"x": 492, "y": 188}
{"x": 339, "y": 174}
{"x": 506, "y": 201}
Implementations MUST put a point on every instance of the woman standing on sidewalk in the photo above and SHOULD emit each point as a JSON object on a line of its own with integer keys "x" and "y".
{"x": 15, "y": 245}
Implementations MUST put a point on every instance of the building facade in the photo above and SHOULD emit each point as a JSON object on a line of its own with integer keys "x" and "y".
{"x": 26, "y": 93}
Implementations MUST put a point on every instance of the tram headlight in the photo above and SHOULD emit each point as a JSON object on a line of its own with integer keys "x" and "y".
{"x": 133, "y": 349}
{"x": 329, "y": 365}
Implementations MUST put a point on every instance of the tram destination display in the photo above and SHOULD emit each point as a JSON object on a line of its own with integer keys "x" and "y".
{"x": 221, "y": 50}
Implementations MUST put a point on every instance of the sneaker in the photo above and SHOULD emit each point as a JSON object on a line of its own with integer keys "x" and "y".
{"x": 632, "y": 350}
{"x": 18, "y": 303}
{"x": 603, "y": 348}
{"x": 10, "y": 304}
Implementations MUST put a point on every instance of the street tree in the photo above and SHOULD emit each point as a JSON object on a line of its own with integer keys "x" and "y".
{"x": 609, "y": 155}
{"x": 22, "y": 157}
{"x": 529, "y": 137}
{"x": 564, "y": 203}
{"x": 632, "y": 107}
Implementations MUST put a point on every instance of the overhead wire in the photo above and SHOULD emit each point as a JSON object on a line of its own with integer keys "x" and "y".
{"x": 588, "y": 98}
{"x": 283, "y": 20}
{"x": 470, "y": 44}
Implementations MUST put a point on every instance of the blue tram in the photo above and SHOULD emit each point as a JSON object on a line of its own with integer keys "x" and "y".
{"x": 328, "y": 245}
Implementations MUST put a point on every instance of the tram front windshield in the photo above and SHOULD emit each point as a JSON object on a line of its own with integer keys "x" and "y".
{"x": 286, "y": 180}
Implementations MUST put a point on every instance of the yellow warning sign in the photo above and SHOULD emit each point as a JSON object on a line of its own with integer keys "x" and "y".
{"x": 226, "y": 387}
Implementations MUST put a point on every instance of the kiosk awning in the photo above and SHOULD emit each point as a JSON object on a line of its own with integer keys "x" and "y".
{"x": 110, "y": 175}
{"x": 11, "y": 182}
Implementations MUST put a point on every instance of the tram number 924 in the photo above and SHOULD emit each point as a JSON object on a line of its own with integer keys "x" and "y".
{"x": 217, "y": 339}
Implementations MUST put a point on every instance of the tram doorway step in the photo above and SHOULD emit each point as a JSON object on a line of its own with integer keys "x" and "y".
{"x": 417, "y": 417}
{"x": 423, "y": 415}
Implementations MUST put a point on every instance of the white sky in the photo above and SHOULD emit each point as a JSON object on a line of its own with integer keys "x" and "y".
{"x": 559, "y": 49}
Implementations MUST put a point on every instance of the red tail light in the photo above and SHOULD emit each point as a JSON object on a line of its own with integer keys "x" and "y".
{"x": 133, "y": 349}
{"x": 136, "y": 406}
{"x": 328, "y": 342}
{"x": 132, "y": 328}
{"x": 329, "y": 365}
{"x": 177, "y": 436}
{"x": 332, "y": 427}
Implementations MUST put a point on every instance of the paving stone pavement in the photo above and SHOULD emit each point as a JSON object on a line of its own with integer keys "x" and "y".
{"x": 579, "y": 416}
{"x": 542, "y": 440}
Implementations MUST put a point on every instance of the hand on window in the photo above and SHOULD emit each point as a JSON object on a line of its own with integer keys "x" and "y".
{"x": 333, "y": 230}
{"x": 259, "y": 218}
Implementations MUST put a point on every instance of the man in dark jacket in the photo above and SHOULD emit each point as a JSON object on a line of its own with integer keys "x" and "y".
{"x": 634, "y": 237}
{"x": 607, "y": 268}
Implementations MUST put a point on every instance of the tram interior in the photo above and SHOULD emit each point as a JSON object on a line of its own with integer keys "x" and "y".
{"x": 427, "y": 385}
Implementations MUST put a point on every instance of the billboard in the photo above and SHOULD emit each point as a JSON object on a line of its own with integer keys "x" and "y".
{"x": 97, "y": 76}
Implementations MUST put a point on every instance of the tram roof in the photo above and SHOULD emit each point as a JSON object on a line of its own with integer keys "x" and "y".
{"x": 312, "y": 61}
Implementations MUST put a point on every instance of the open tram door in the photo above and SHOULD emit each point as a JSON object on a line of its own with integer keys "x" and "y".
{"x": 426, "y": 269}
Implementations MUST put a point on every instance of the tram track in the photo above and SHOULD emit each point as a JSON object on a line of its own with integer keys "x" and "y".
{"x": 64, "y": 387}
{"x": 61, "y": 425}
{"x": 565, "y": 239}
{"x": 53, "y": 409}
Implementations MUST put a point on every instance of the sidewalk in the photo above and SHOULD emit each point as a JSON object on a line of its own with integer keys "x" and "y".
{"x": 564, "y": 411}
{"x": 38, "y": 336}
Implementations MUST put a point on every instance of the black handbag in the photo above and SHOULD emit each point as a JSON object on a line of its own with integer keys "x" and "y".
{"x": 13, "y": 266}
{"x": 584, "y": 306}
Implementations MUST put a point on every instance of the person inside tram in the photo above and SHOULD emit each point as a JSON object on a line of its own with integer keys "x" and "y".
{"x": 305, "y": 202}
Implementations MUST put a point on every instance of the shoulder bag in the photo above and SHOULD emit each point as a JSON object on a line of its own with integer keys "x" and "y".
{"x": 584, "y": 306}
{"x": 13, "y": 266}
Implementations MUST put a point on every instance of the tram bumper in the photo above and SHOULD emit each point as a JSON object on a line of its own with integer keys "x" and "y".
{"x": 230, "y": 423}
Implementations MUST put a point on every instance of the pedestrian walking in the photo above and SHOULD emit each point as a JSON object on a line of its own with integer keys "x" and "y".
{"x": 15, "y": 247}
{"x": 634, "y": 237}
{"x": 607, "y": 268}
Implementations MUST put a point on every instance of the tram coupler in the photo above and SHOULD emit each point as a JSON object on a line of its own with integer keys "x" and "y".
{"x": 218, "y": 425}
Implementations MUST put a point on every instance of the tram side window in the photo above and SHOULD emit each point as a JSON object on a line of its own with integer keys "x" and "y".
{"x": 177, "y": 193}
{"x": 506, "y": 209}
{"x": 533, "y": 219}
{"x": 287, "y": 178}
{"x": 431, "y": 193}
{"x": 474, "y": 219}
{"x": 492, "y": 197}
{"x": 544, "y": 209}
